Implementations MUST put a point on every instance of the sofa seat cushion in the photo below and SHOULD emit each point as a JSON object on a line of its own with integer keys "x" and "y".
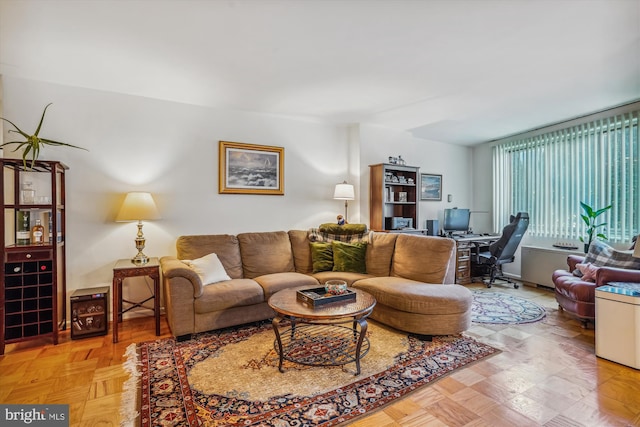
{"x": 272, "y": 283}
{"x": 574, "y": 288}
{"x": 416, "y": 297}
{"x": 348, "y": 277}
{"x": 228, "y": 294}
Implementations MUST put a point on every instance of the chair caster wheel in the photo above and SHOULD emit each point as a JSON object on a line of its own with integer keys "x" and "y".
{"x": 516, "y": 286}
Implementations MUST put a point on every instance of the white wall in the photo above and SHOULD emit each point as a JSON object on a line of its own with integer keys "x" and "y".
{"x": 171, "y": 150}
{"x": 482, "y": 189}
{"x": 453, "y": 162}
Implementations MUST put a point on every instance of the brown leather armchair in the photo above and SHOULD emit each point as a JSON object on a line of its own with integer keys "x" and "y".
{"x": 577, "y": 296}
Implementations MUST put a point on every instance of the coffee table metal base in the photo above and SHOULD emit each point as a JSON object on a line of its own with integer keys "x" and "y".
{"x": 321, "y": 344}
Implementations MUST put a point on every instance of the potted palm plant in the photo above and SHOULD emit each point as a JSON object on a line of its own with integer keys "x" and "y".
{"x": 33, "y": 143}
{"x": 590, "y": 218}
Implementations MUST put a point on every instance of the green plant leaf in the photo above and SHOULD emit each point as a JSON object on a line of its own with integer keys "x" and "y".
{"x": 41, "y": 120}
{"x": 15, "y": 142}
{"x": 587, "y": 209}
{"x": 586, "y": 220}
{"x": 57, "y": 143}
{"x": 603, "y": 210}
{"x": 17, "y": 129}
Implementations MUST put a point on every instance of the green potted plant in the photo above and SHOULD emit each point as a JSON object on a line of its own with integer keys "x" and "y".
{"x": 33, "y": 143}
{"x": 590, "y": 218}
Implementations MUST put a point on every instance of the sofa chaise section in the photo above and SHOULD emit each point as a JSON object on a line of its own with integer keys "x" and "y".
{"x": 417, "y": 296}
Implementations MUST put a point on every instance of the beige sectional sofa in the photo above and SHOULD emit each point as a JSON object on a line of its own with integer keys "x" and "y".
{"x": 410, "y": 276}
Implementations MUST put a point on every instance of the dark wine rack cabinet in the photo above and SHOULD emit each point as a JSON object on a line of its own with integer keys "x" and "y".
{"x": 32, "y": 278}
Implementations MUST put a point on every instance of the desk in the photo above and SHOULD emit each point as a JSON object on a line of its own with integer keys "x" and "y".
{"x": 123, "y": 269}
{"x": 463, "y": 254}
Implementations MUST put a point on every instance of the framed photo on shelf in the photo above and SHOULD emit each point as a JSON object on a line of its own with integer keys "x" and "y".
{"x": 250, "y": 169}
{"x": 430, "y": 187}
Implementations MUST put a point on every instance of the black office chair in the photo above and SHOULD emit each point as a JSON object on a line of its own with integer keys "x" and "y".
{"x": 502, "y": 250}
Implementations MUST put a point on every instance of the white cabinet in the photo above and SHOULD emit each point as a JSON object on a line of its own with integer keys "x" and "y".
{"x": 618, "y": 324}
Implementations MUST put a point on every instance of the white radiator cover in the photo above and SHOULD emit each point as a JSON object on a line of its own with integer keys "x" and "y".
{"x": 539, "y": 263}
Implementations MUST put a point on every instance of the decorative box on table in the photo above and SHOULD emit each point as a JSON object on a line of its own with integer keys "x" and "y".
{"x": 318, "y": 296}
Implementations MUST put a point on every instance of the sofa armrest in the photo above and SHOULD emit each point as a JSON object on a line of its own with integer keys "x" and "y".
{"x": 572, "y": 260}
{"x": 605, "y": 275}
{"x": 172, "y": 268}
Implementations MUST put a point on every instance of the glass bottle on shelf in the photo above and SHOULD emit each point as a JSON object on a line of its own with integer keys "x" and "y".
{"x": 27, "y": 193}
{"x": 23, "y": 230}
{"x": 37, "y": 233}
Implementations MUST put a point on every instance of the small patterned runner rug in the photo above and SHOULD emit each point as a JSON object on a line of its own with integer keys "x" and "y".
{"x": 230, "y": 377}
{"x": 497, "y": 308}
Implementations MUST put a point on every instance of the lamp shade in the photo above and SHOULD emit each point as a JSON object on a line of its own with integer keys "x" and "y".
{"x": 344, "y": 191}
{"x": 138, "y": 206}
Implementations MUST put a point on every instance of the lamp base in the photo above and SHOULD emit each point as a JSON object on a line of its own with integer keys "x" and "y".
{"x": 140, "y": 259}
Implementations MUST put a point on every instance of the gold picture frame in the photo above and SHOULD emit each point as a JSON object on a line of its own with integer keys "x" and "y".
{"x": 250, "y": 169}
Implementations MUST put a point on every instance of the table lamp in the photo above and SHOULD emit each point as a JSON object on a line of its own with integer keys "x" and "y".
{"x": 344, "y": 192}
{"x": 138, "y": 206}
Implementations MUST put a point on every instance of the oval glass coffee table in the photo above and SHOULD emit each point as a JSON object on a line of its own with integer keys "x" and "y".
{"x": 318, "y": 336}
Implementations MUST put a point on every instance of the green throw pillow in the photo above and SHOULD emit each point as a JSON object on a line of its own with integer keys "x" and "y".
{"x": 349, "y": 257}
{"x": 322, "y": 256}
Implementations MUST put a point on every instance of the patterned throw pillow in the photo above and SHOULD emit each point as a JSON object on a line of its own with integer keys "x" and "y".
{"x": 602, "y": 255}
{"x": 315, "y": 235}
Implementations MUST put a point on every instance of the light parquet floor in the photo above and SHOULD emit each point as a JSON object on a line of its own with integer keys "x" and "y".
{"x": 547, "y": 374}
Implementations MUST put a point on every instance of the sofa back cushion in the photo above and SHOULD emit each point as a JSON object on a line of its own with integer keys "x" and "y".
{"x": 426, "y": 259}
{"x": 301, "y": 251}
{"x": 380, "y": 252}
{"x": 265, "y": 253}
{"x": 225, "y": 246}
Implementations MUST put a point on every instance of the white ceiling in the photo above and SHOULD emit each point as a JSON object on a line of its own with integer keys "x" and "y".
{"x": 457, "y": 71}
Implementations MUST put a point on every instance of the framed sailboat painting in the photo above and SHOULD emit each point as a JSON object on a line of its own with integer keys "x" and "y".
{"x": 250, "y": 169}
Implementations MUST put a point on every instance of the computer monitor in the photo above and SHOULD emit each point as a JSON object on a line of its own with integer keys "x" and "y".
{"x": 456, "y": 220}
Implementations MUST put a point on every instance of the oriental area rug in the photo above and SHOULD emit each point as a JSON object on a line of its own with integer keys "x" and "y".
{"x": 230, "y": 377}
{"x": 502, "y": 308}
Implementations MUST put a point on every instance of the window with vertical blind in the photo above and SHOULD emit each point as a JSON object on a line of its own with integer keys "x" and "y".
{"x": 549, "y": 174}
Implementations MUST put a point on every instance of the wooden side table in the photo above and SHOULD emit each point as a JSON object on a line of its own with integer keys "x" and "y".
{"x": 123, "y": 269}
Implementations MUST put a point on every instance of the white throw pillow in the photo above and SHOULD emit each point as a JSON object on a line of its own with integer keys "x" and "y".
{"x": 209, "y": 268}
